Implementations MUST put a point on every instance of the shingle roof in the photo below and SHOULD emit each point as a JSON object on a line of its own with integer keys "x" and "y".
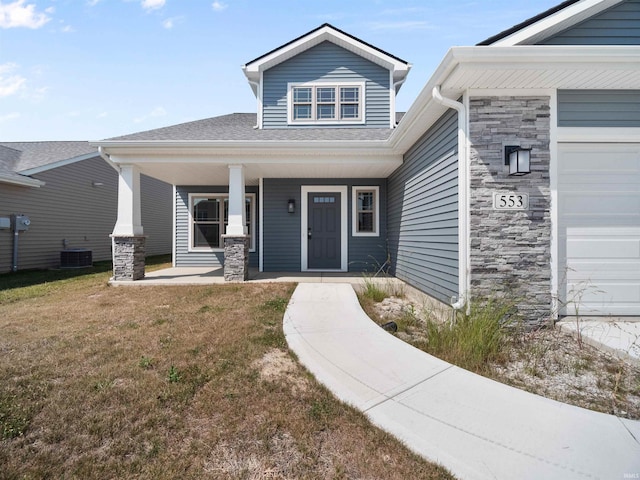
{"x": 320, "y": 28}
{"x": 241, "y": 127}
{"x": 20, "y": 156}
{"x": 526, "y": 23}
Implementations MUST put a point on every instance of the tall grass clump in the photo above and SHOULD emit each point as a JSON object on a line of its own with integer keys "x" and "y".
{"x": 374, "y": 290}
{"x": 473, "y": 340}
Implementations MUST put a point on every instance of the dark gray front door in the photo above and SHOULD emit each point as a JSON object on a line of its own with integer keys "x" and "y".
{"x": 323, "y": 233}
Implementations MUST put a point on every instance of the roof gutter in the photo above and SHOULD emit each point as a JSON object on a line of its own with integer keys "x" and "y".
{"x": 107, "y": 158}
{"x": 463, "y": 198}
{"x": 23, "y": 182}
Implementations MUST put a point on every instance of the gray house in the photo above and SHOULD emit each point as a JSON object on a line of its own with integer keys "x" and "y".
{"x": 516, "y": 169}
{"x": 70, "y": 196}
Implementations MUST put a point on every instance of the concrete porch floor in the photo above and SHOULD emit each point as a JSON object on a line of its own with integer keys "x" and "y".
{"x": 619, "y": 336}
{"x": 209, "y": 275}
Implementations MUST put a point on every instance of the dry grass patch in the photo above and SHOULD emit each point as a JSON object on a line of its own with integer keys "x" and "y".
{"x": 171, "y": 382}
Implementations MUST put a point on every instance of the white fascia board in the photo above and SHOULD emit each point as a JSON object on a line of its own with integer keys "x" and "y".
{"x": 60, "y": 163}
{"x": 256, "y": 150}
{"x": 303, "y": 158}
{"x": 553, "y": 55}
{"x": 326, "y": 33}
{"x": 555, "y": 23}
{"x": 23, "y": 182}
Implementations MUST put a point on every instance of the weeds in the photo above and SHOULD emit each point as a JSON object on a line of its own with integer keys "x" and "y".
{"x": 174, "y": 375}
{"x": 475, "y": 339}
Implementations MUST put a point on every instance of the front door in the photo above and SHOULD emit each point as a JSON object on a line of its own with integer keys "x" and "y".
{"x": 323, "y": 232}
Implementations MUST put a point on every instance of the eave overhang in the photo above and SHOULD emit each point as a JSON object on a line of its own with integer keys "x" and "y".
{"x": 517, "y": 68}
{"x": 20, "y": 180}
{"x": 206, "y": 162}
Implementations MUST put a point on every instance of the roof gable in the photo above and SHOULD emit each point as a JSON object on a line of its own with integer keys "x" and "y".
{"x": 550, "y": 23}
{"x": 325, "y": 32}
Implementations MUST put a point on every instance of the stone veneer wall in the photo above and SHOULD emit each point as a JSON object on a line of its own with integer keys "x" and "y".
{"x": 510, "y": 250}
{"x": 128, "y": 257}
{"x": 236, "y": 258}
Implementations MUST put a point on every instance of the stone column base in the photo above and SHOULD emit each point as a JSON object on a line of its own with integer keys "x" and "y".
{"x": 128, "y": 257}
{"x": 236, "y": 258}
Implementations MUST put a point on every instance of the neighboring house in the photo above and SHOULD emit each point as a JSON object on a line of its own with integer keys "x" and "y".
{"x": 322, "y": 178}
{"x": 70, "y": 195}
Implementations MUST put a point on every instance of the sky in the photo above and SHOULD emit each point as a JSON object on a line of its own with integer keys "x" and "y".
{"x": 94, "y": 69}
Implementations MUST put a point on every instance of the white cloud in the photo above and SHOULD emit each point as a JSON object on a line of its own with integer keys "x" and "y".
{"x": 102, "y": 115}
{"x": 93, "y": 3}
{"x": 152, "y": 4}
{"x": 67, "y": 29}
{"x": 218, "y": 6}
{"x": 156, "y": 112}
{"x": 17, "y": 14}
{"x": 10, "y": 82}
{"x": 9, "y": 116}
{"x": 169, "y": 23}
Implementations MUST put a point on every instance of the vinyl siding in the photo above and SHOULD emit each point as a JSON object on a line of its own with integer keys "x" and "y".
{"x": 185, "y": 258}
{"x": 156, "y": 205}
{"x": 282, "y": 247}
{"x": 599, "y": 108}
{"x": 326, "y": 62}
{"x": 423, "y": 212}
{"x": 619, "y": 25}
{"x": 68, "y": 207}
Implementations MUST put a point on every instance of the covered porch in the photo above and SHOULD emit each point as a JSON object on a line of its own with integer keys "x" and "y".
{"x": 263, "y": 195}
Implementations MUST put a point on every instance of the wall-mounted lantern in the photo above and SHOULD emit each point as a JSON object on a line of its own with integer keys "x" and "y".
{"x": 291, "y": 206}
{"x": 518, "y": 159}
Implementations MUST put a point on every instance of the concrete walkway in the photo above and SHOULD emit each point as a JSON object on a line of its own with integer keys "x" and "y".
{"x": 477, "y": 428}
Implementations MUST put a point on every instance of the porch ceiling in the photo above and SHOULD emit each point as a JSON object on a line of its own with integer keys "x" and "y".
{"x": 190, "y": 173}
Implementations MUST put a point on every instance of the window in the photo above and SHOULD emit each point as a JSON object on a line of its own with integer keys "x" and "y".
{"x": 366, "y": 211}
{"x": 209, "y": 219}
{"x": 326, "y": 103}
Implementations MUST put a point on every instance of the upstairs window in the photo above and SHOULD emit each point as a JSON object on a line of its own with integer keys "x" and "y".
{"x": 326, "y": 103}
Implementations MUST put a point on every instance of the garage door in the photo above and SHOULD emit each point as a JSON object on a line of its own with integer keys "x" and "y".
{"x": 599, "y": 229}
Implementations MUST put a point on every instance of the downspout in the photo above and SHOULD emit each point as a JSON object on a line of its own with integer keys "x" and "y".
{"x": 259, "y": 97}
{"x": 394, "y": 92}
{"x": 463, "y": 199}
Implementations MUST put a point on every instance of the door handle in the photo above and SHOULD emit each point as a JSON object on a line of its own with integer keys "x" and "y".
{"x": 309, "y": 233}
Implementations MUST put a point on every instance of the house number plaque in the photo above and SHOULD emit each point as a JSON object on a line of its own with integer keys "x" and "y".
{"x": 510, "y": 201}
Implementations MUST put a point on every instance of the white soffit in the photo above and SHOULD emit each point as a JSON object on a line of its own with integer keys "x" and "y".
{"x": 556, "y": 23}
{"x": 544, "y": 67}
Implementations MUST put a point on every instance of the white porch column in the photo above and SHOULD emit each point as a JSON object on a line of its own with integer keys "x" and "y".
{"x": 129, "y": 222}
{"x": 127, "y": 237}
{"x": 237, "y": 213}
{"x": 236, "y": 240}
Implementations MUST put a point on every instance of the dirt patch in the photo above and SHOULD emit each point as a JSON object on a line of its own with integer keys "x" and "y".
{"x": 277, "y": 366}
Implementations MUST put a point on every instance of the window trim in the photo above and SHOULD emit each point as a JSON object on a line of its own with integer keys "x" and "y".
{"x": 354, "y": 211}
{"x": 332, "y": 121}
{"x": 222, "y": 196}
